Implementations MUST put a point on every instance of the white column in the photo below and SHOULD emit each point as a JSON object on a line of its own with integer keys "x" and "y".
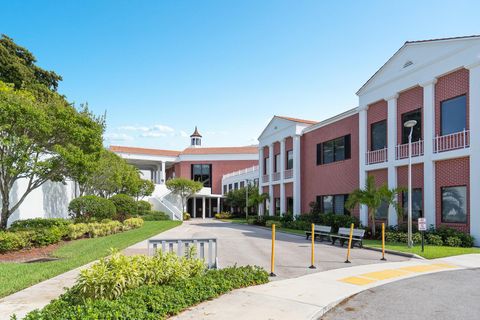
{"x": 428, "y": 165}
{"x": 297, "y": 200}
{"x": 282, "y": 177}
{"x": 194, "y": 207}
{"x": 209, "y": 207}
{"x": 474, "y": 152}
{"x": 271, "y": 209}
{"x": 218, "y": 205}
{"x": 159, "y": 169}
{"x": 260, "y": 177}
{"x": 203, "y": 207}
{"x": 362, "y": 149}
{"x": 392, "y": 144}
{"x": 163, "y": 175}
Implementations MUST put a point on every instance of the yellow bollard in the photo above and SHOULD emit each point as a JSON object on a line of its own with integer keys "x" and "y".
{"x": 312, "y": 265}
{"x": 349, "y": 243}
{"x": 383, "y": 242}
{"x": 272, "y": 261}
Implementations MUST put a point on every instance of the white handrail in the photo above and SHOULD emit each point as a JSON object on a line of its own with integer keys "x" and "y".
{"x": 402, "y": 150}
{"x": 239, "y": 172}
{"x": 453, "y": 141}
{"x": 376, "y": 156}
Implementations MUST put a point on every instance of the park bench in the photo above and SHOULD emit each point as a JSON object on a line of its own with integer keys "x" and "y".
{"x": 320, "y": 232}
{"x": 344, "y": 233}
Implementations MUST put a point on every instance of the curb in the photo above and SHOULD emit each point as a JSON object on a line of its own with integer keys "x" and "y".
{"x": 397, "y": 253}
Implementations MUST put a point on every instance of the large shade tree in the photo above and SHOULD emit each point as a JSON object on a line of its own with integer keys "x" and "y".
{"x": 184, "y": 188}
{"x": 41, "y": 140}
{"x": 373, "y": 197}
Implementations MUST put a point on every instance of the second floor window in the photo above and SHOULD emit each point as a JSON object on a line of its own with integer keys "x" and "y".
{"x": 417, "y": 130}
{"x": 334, "y": 150}
{"x": 202, "y": 173}
{"x": 453, "y": 115}
{"x": 277, "y": 163}
{"x": 289, "y": 159}
{"x": 378, "y": 135}
{"x": 266, "y": 166}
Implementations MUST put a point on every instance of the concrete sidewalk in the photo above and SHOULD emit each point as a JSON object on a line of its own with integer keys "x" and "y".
{"x": 311, "y": 296}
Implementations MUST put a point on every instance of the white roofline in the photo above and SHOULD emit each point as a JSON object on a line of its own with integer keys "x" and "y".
{"x": 331, "y": 120}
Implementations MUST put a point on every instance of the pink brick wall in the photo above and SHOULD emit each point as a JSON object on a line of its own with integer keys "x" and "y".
{"x": 381, "y": 176}
{"x": 450, "y": 86}
{"x": 334, "y": 178}
{"x": 408, "y": 101}
{"x": 449, "y": 173}
{"x": 417, "y": 181}
{"x": 219, "y": 168}
{"x": 377, "y": 111}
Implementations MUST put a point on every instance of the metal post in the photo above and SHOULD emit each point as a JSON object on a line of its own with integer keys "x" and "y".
{"x": 383, "y": 242}
{"x": 312, "y": 262}
{"x": 349, "y": 243}
{"x": 410, "y": 188}
{"x": 272, "y": 257}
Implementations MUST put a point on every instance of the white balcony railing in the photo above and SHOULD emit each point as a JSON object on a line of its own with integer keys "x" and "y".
{"x": 376, "y": 156}
{"x": 402, "y": 150}
{"x": 276, "y": 176}
{"x": 265, "y": 178}
{"x": 457, "y": 140}
{"x": 288, "y": 174}
{"x": 239, "y": 172}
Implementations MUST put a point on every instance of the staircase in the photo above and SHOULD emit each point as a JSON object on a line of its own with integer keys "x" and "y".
{"x": 164, "y": 200}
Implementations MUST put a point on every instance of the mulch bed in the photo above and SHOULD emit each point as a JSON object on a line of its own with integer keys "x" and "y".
{"x": 30, "y": 255}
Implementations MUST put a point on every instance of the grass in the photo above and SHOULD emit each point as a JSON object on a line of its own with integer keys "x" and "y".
{"x": 430, "y": 252}
{"x": 17, "y": 276}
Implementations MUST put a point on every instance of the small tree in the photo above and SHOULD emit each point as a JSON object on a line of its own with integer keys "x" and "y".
{"x": 373, "y": 197}
{"x": 184, "y": 188}
{"x": 256, "y": 198}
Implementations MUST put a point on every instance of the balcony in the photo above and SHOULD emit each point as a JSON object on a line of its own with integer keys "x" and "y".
{"x": 276, "y": 176}
{"x": 402, "y": 150}
{"x": 265, "y": 178}
{"x": 377, "y": 156}
{"x": 288, "y": 174}
{"x": 457, "y": 140}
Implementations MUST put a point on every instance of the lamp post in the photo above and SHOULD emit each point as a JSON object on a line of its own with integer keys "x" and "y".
{"x": 247, "y": 183}
{"x": 410, "y": 124}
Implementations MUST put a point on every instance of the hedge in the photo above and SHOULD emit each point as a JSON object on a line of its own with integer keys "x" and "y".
{"x": 125, "y": 206}
{"x": 88, "y": 207}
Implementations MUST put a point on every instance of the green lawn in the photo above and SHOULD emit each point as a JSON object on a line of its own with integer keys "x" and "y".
{"x": 431, "y": 252}
{"x": 17, "y": 276}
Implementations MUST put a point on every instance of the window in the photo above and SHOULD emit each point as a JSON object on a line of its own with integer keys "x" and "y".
{"x": 333, "y": 203}
{"x": 255, "y": 182}
{"x": 417, "y": 204}
{"x": 289, "y": 159}
{"x": 266, "y": 166}
{"x": 230, "y": 187}
{"x": 202, "y": 173}
{"x": 242, "y": 184}
{"x": 378, "y": 135}
{"x": 289, "y": 205}
{"x": 225, "y": 189}
{"x": 382, "y": 211}
{"x": 235, "y": 186}
{"x": 277, "y": 163}
{"x": 417, "y": 130}
{"x": 454, "y": 204}
{"x": 453, "y": 115}
{"x": 334, "y": 150}
{"x": 277, "y": 206}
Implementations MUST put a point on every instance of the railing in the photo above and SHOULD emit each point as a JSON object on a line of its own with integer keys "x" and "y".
{"x": 239, "y": 172}
{"x": 402, "y": 150}
{"x": 183, "y": 248}
{"x": 288, "y": 174}
{"x": 276, "y": 176}
{"x": 457, "y": 140}
{"x": 265, "y": 178}
{"x": 376, "y": 156}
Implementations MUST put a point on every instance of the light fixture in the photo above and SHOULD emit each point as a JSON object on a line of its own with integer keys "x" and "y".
{"x": 410, "y": 123}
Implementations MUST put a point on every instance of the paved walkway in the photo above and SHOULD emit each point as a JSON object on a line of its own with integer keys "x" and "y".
{"x": 311, "y": 296}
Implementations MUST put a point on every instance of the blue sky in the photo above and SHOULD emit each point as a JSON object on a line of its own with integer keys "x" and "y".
{"x": 158, "y": 68}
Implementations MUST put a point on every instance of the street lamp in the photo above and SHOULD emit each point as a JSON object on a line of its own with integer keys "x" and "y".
{"x": 247, "y": 183}
{"x": 410, "y": 124}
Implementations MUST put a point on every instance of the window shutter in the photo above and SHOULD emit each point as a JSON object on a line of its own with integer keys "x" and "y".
{"x": 319, "y": 154}
{"x": 348, "y": 149}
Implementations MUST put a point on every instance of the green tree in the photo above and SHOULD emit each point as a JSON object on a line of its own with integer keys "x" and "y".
{"x": 184, "y": 188}
{"x": 255, "y": 198}
{"x": 41, "y": 141}
{"x": 143, "y": 188}
{"x": 373, "y": 197}
{"x": 237, "y": 198}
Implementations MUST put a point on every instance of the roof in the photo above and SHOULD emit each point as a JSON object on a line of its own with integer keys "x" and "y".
{"x": 222, "y": 150}
{"x": 195, "y": 133}
{"x": 297, "y": 120}
{"x": 407, "y": 43}
{"x": 157, "y": 152}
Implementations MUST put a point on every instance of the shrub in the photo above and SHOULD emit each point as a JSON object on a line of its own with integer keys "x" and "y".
{"x": 77, "y": 230}
{"x": 155, "y": 216}
{"x": 36, "y": 223}
{"x": 124, "y": 205}
{"x": 97, "y": 229}
{"x": 223, "y": 215}
{"x": 88, "y": 207}
{"x": 298, "y": 225}
{"x": 446, "y": 232}
{"x": 132, "y": 223}
{"x": 45, "y": 236}
{"x": 155, "y": 301}
{"x": 269, "y": 223}
{"x": 453, "y": 242}
{"x": 143, "y": 207}
{"x": 287, "y": 218}
{"x": 12, "y": 241}
{"x": 434, "y": 240}
{"x": 186, "y": 216}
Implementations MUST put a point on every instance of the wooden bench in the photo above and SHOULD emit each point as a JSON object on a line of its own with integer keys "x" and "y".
{"x": 320, "y": 232}
{"x": 344, "y": 234}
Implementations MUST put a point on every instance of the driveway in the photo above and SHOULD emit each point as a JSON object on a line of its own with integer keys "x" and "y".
{"x": 251, "y": 245}
{"x": 440, "y": 296}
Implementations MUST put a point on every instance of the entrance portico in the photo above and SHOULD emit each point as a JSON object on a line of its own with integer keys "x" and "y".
{"x": 204, "y": 206}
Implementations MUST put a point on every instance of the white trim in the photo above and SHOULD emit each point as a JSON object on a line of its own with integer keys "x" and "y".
{"x": 218, "y": 157}
{"x": 333, "y": 119}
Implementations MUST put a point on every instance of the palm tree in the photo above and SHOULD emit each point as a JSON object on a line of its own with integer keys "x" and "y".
{"x": 256, "y": 198}
{"x": 373, "y": 197}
